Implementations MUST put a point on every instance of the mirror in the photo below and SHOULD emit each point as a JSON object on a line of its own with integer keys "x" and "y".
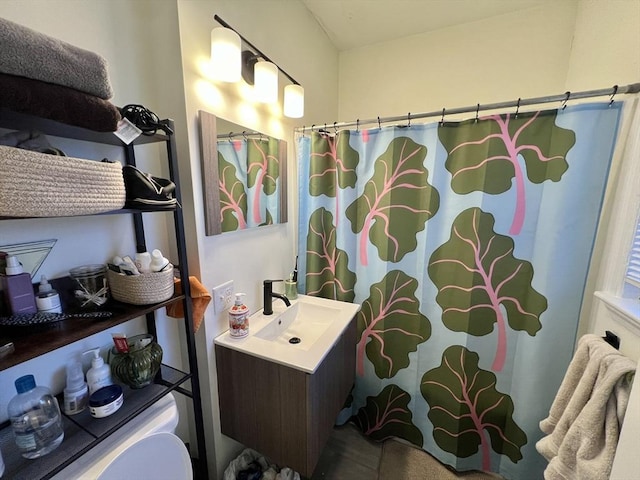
{"x": 243, "y": 176}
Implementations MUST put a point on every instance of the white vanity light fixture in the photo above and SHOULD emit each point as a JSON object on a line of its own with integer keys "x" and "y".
{"x": 294, "y": 101}
{"x": 226, "y": 61}
{"x": 266, "y": 82}
{"x": 258, "y": 70}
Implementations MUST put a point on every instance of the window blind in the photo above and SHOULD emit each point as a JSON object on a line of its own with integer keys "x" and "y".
{"x": 633, "y": 266}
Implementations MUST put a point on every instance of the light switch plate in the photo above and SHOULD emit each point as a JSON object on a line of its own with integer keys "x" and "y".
{"x": 222, "y": 297}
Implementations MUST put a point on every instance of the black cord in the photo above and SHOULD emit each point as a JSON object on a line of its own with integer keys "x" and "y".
{"x": 144, "y": 119}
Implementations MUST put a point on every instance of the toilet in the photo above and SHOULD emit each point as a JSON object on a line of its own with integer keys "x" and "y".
{"x": 144, "y": 448}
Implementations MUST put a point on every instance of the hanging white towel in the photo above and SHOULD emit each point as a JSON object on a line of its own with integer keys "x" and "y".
{"x": 586, "y": 416}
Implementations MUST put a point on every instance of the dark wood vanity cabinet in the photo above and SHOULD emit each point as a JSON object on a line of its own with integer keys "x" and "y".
{"x": 285, "y": 414}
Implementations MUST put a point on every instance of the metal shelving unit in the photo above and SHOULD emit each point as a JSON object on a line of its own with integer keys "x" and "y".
{"x": 80, "y": 433}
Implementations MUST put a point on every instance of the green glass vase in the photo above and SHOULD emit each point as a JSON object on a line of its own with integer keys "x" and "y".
{"x": 139, "y": 366}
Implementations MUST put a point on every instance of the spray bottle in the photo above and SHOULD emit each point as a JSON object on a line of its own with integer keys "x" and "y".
{"x": 239, "y": 318}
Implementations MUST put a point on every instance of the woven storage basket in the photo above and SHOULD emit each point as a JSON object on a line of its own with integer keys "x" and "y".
{"x": 36, "y": 184}
{"x": 141, "y": 289}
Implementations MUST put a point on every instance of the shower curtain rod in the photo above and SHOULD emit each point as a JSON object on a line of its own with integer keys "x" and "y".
{"x": 565, "y": 97}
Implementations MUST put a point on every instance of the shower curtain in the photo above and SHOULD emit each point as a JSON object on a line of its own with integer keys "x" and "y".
{"x": 467, "y": 245}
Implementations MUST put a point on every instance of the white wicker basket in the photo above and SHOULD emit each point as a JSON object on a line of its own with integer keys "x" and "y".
{"x": 36, "y": 184}
{"x": 141, "y": 289}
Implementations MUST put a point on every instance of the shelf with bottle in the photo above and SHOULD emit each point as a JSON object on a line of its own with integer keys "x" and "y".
{"x": 83, "y": 432}
{"x": 31, "y": 342}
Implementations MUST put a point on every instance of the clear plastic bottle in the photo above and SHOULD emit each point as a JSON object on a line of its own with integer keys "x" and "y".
{"x": 35, "y": 419}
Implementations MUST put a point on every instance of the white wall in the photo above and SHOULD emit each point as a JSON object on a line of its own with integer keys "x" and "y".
{"x": 287, "y": 33}
{"x": 521, "y": 54}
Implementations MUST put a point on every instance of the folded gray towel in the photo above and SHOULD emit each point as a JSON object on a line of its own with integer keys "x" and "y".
{"x": 27, "y": 53}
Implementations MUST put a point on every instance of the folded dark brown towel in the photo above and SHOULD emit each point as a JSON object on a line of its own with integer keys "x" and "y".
{"x": 55, "y": 102}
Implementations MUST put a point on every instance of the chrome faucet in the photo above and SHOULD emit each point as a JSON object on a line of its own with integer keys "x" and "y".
{"x": 267, "y": 286}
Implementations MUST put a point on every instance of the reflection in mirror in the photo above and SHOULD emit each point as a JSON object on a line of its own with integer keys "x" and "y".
{"x": 243, "y": 175}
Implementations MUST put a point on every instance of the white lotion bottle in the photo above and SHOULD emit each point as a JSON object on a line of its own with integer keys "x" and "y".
{"x": 143, "y": 261}
{"x": 158, "y": 262}
{"x": 47, "y": 299}
{"x": 99, "y": 375}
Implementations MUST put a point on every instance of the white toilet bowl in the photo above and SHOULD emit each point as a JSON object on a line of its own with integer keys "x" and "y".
{"x": 144, "y": 448}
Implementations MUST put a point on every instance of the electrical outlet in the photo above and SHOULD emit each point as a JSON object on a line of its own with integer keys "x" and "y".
{"x": 222, "y": 297}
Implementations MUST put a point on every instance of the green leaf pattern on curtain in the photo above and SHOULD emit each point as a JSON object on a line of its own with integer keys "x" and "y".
{"x": 396, "y": 203}
{"x": 233, "y": 197}
{"x": 333, "y": 164}
{"x": 476, "y": 273}
{"x": 390, "y": 325}
{"x": 465, "y": 407}
{"x": 387, "y": 415}
{"x": 483, "y": 155}
{"x": 328, "y": 273}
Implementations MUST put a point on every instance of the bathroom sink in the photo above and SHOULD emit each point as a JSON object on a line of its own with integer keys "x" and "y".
{"x": 299, "y": 325}
{"x": 298, "y": 336}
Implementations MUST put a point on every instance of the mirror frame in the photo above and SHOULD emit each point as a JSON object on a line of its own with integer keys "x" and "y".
{"x": 210, "y": 178}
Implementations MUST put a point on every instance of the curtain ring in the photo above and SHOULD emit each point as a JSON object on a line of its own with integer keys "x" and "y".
{"x": 477, "y": 110}
{"x": 335, "y": 129}
{"x": 442, "y": 118}
{"x": 409, "y": 119}
{"x": 312, "y": 127}
{"x": 244, "y": 135}
{"x": 517, "y": 108}
{"x": 357, "y": 124}
{"x": 379, "y": 126}
{"x": 566, "y": 99}
{"x": 615, "y": 90}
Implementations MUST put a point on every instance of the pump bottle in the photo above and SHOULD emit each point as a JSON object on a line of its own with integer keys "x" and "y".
{"x": 99, "y": 375}
{"x": 239, "y": 318}
{"x": 18, "y": 289}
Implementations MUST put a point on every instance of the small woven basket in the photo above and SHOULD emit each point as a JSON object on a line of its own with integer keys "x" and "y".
{"x": 36, "y": 184}
{"x": 141, "y": 289}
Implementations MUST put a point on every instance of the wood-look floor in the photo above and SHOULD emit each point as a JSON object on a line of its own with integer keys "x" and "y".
{"x": 348, "y": 455}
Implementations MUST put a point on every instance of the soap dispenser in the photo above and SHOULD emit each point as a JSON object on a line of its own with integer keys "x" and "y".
{"x": 239, "y": 318}
{"x": 99, "y": 375}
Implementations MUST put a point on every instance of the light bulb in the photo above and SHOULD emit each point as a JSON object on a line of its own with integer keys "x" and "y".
{"x": 266, "y": 82}
{"x": 225, "y": 55}
{"x": 294, "y": 101}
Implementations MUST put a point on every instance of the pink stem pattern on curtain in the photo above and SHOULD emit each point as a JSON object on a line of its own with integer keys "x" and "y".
{"x": 230, "y": 204}
{"x": 513, "y": 155}
{"x": 261, "y": 166}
